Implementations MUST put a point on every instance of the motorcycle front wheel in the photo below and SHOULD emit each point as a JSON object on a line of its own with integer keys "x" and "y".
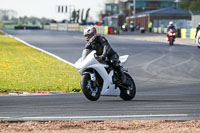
{"x": 92, "y": 93}
{"x": 171, "y": 41}
{"x": 129, "y": 92}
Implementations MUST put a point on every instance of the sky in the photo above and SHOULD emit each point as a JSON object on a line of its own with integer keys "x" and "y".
{"x": 47, "y": 8}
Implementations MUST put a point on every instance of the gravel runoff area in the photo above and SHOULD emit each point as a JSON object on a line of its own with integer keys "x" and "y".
{"x": 101, "y": 127}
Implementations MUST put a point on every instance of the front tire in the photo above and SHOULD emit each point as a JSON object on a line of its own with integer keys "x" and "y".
{"x": 90, "y": 93}
{"x": 128, "y": 94}
{"x": 171, "y": 41}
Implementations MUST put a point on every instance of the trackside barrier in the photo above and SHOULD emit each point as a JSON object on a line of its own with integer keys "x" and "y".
{"x": 62, "y": 27}
{"x": 53, "y": 26}
{"x": 46, "y": 27}
{"x": 100, "y": 29}
{"x": 192, "y": 33}
{"x": 155, "y": 30}
{"x": 182, "y": 33}
{"x": 165, "y": 30}
{"x": 159, "y": 30}
{"x": 74, "y": 27}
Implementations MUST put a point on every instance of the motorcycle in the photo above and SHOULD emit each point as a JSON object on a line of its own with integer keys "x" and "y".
{"x": 198, "y": 39}
{"x": 124, "y": 28}
{"x": 171, "y": 36}
{"x": 99, "y": 78}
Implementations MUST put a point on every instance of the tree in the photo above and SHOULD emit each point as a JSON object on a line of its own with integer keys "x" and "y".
{"x": 7, "y": 14}
{"x": 191, "y": 5}
{"x": 87, "y": 14}
{"x": 77, "y": 16}
{"x": 82, "y": 14}
{"x": 73, "y": 16}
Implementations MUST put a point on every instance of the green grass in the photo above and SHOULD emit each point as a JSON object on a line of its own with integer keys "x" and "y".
{"x": 23, "y": 68}
{"x": 1, "y": 33}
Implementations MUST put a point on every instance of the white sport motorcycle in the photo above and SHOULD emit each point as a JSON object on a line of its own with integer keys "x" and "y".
{"x": 98, "y": 78}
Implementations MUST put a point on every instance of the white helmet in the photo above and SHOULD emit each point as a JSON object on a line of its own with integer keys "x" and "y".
{"x": 171, "y": 23}
{"x": 199, "y": 24}
{"x": 90, "y": 33}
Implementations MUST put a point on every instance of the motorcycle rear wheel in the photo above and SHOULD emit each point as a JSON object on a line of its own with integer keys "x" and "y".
{"x": 128, "y": 94}
{"x": 89, "y": 92}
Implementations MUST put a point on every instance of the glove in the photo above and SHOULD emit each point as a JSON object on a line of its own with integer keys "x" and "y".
{"x": 100, "y": 58}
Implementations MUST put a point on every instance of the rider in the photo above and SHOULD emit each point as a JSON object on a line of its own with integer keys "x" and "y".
{"x": 103, "y": 49}
{"x": 197, "y": 29}
{"x": 171, "y": 26}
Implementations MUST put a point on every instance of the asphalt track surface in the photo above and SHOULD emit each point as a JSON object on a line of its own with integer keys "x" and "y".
{"x": 167, "y": 80}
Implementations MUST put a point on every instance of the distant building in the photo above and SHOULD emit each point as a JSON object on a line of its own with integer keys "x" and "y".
{"x": 161, "y": 18}
{"x": 111, "y": 9}
{"x": 195, "y": 19}
{"x": 144, "y": 5}
{"x": 117, "y": 13}
{"x": 112, "y": 17}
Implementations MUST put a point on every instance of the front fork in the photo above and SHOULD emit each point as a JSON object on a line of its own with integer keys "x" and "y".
{"x": 93, "y": 83}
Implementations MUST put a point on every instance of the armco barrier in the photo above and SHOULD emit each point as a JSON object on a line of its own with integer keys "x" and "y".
{"x": 183, "y": 33}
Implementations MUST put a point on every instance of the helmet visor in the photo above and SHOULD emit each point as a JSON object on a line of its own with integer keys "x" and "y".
{"x": 88, "y": 36}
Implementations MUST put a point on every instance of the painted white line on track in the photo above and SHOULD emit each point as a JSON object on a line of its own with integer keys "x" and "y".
{"x": 5, "y": 117}
{"x": 55, "y": 56}
{"x": 118, "y": 116}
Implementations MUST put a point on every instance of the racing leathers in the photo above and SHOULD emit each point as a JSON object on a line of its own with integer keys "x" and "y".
{"x": 103, "y": 50}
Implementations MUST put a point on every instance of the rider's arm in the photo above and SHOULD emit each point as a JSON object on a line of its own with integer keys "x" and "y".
{"x": 106, "y": 46}
{"x": 88, "y": 46}
{"x": 168, "y": 28}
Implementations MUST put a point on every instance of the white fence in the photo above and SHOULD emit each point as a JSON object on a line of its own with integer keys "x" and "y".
{"x": 195, "y": 20}
{"x": 73, "y": 27}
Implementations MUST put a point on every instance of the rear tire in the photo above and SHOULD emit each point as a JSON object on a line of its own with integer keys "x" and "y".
{"x": 86, "y": 88}
{"x": 128, "y": 94}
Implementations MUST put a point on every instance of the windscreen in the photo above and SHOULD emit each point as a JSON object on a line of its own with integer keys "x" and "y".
{"x": 85, "y": 53}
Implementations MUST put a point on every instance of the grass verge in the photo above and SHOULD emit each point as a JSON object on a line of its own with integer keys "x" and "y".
{"x": 23, "y": 68}
{"x": 1, "y": 33}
